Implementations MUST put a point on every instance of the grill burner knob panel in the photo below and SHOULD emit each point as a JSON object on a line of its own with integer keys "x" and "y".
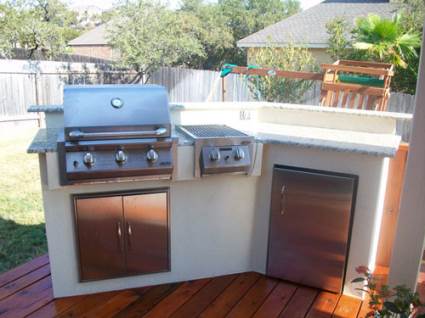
{"x": 214, "y": 154}
{"x": 225, "y": 159}
{"x": 152, "y": 155}
{"x": 239, "y": 154}
{"x": 120, "y": 156}
{"x": 88, "y": 159}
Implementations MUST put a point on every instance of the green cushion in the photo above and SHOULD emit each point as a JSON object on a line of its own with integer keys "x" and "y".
{"x": 362, "y": 80}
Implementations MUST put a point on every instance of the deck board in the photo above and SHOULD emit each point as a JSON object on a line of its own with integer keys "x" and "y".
{"x": 144, "y": 304}
{"x": 27, "y": 300}
{"x": 167, "y": 306}
{"x": 113, "y": 306}
{"x": 86, "y": 305}
{"x": 347, "y": 307}
{"x": 27, "y": 292}
{"x": 300, "y": 303}
{"x": 277, "y": 301}
{"x": 224, "y": 303}
{"x": 197, "y": 304}
{"x": 254, "y": 298}
{"x": 23, "y": 269}
{"x": 324, "y": 305}
{"x": 24, "y": 281}
{"x": 56, "y": 307}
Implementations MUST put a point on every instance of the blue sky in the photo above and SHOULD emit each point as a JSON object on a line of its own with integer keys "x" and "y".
{"x": 106, "y": 4}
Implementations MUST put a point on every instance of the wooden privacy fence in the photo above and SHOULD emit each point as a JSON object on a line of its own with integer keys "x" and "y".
{"x": 187, "y": 85}
{"x": 24, "y": 83}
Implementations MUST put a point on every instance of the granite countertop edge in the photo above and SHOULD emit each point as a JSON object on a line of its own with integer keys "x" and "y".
{"x": 46, "y": 141}
{"x": 45, "y": 109}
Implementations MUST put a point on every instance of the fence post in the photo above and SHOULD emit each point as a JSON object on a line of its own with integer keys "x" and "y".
{"x": 37, "y": 97}
{"x": 223, "y": 89}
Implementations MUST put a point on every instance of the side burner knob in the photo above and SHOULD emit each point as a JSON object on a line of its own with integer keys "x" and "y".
{"x": 88, "y": 159}
{"x": 120, "y": 156}
{"x": 152, "y": 155}
{"x": 239, "y": 153}
{"x": 214, "y": 155}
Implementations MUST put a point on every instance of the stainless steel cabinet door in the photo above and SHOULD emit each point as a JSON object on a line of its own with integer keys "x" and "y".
{"x": 310, "y": 227}
{"x": 100, "y": 232}
{"x": 147, "y": 240}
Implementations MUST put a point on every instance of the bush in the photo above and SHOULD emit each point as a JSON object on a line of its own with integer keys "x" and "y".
{"x": 382, "y": 40}
{"x": 278, "y": 89}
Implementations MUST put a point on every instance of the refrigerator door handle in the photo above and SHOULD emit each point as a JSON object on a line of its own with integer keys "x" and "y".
{"x": 282, "y": 200}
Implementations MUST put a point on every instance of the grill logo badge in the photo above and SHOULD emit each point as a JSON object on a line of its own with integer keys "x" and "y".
{"x": 117, "y": 102}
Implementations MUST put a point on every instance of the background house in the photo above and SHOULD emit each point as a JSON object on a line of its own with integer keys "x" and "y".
{"x": 93, "y": 43}
{"x": 308, "y": 28}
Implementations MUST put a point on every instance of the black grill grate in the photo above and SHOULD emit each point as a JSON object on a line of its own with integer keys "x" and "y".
{"x": 208, "y": 131}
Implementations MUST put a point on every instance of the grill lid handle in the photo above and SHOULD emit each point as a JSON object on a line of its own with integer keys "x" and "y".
{"x": 78, "y": 134}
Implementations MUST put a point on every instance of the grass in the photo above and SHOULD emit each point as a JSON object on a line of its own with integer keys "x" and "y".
{"x": 22, "y": 231}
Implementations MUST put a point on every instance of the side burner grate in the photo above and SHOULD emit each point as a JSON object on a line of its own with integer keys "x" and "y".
{"x": 212, "y": 131}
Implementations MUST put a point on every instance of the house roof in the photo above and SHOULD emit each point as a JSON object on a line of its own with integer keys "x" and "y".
{"x": 96, "y": 36}
{"x": 308, "y": 28}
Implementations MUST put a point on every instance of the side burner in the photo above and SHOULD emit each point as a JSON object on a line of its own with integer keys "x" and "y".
{"x": 220, "y": 149}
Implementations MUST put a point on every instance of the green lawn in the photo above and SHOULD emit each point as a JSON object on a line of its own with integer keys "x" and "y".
{"x": 22, "y": 233}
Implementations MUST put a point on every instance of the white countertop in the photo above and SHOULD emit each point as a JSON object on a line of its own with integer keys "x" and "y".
{"x": 332, "y": 139}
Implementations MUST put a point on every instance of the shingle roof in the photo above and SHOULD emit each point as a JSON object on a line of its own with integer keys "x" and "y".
{"x": 308, "y": 28}
{"x": 96, "y": 36}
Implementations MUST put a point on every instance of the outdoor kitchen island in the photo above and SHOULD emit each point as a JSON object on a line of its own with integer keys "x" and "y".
{"x": 219, "y": 224}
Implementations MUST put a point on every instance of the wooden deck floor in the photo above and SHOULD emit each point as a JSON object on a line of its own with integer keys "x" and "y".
{"x": 26, "y": 292}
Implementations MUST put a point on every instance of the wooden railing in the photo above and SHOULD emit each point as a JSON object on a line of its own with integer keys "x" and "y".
{"x": 335, "y": 92}
{"x": 358, "y": 96}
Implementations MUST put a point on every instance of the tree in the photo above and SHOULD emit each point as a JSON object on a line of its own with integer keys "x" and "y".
{"x": 38, "y": 26}
{"x": 147, "y": 36}
{"x": 265, "y": 13}
{"x": 413, "y": 14}
{"x": 245, "y": 17}
{"x": 9, "y": 21}
{"x": 339, "y": 43}
{"x": 381, "y": 40}
{"x": 210, "y": 27}
{"x": 279, "y": 89}
{"x": 385, "y": 40}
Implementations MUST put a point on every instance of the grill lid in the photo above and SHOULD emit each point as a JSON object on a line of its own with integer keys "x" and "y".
{"x": 116, "y": 111}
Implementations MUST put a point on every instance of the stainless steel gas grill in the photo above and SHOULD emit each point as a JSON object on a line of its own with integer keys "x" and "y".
{"x": 220, "y": 149}
{"x": 115, "y": 131}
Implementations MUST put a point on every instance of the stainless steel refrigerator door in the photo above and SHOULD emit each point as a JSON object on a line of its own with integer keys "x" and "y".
{"x": 310, "y": 227}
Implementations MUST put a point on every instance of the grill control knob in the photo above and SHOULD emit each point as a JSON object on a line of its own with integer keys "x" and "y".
{"x": 120, "y": 156}
{"x": 239, "y": 153}
{"x": 88, "y": 159}
{"x": 152, "y": 155}
{"x": 214, "y": 155}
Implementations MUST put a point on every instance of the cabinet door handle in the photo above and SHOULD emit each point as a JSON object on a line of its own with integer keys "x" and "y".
{"x": 119, "y": 233}
{"x": 129, "y": 234}
{"x": 282, "y": 200}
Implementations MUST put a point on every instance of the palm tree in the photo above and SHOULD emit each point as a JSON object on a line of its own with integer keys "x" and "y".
{"x": 386, "y": 40}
